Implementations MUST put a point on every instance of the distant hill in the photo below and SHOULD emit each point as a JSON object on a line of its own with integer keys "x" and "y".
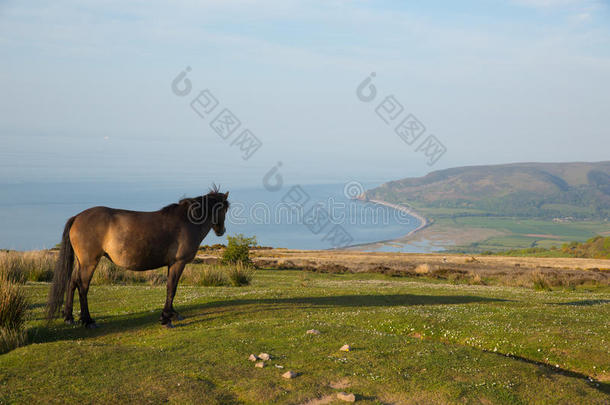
{"x": 545, "y": 190}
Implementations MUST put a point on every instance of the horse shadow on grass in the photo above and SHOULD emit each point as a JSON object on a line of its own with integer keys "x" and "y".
{"x": 202, "y": 312}
{"x": 584, "y": 303}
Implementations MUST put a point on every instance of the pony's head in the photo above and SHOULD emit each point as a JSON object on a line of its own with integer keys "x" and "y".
{"x": 219, "y": 211}
{"x": 209, "y": 209}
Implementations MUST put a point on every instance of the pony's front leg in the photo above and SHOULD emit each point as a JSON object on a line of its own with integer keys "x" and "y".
{"x": 173, "y": 276}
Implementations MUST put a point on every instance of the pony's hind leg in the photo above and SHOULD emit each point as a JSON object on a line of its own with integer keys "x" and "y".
{"x": 83, "y": 280}
{"x": 68, "y": 317}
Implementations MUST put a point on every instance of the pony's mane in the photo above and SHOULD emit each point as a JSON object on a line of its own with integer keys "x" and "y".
{"x": 213, "y": 197}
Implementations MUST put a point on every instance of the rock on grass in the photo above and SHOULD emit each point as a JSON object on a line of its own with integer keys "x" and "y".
{"x": 260, "y": 364}
{"x": 253, "y": 357}
{"x": 313, "y": 332}
{"x": 264, "y": 356}
{"x": 289, "y": 375}
{"x": 345, "y": 348}
{"x": 344, "y": 396}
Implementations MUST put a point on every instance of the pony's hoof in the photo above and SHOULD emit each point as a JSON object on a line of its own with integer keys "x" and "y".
{"x": 169, "y": 325}
{"x": 91, "y": 325}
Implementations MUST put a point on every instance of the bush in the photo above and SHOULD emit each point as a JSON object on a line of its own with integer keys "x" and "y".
{"x": 238, "y": 249}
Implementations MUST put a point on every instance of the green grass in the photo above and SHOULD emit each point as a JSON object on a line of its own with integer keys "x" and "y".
{"x": 413, "y": 341}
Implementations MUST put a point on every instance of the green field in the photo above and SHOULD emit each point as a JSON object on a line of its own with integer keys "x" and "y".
{"x": 521, "y": 233}
{"x": 413, "y": 341}
{"x": 572, "y": 231}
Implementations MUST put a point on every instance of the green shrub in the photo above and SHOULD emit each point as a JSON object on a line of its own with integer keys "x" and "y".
{"x": 238, "y": 249}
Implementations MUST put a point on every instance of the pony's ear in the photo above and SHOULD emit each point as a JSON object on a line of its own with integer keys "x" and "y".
{"x": 226, "y": 195}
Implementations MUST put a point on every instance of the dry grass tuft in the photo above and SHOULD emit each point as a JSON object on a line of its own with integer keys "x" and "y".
{"x": 13, "y": 304}
{"x": 218, "y": 275}
{"x": 13, "y": 307}
{"x": 422, "y": 269}
{"x": 475, "y": 278}
{"x": 20, "y": 267}
{"x": 208, "y": 276}
{"x": 240, "y": 274}
{"x": 11, "y": 339}
{"x": 539, "y": 281}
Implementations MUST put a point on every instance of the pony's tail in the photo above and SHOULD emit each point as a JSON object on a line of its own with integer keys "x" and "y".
{"x": 63, "y": 273}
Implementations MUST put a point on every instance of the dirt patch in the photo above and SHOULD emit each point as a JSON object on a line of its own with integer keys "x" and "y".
{"x": 340, "y": 384}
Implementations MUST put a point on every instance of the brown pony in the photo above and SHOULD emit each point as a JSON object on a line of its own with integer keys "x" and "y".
{"x": 134, "y": 240}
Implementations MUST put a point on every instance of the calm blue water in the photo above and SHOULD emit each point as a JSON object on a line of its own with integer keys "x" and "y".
{"x": 32, "y": 215}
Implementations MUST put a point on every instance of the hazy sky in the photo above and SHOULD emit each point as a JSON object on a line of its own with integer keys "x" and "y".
{"x": 86, "y": 88}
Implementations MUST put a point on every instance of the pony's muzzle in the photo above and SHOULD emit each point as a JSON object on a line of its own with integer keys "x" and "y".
{"x": 221, "y": 232}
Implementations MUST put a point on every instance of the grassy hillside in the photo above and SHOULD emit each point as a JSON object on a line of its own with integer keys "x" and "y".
{"x": 533, "y": 190}
{"x": 413, "y": 342}
{"x": 594, "y": 248}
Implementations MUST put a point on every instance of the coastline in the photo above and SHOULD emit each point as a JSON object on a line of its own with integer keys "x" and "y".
{"x": 423, "y": 223}
{"x": 423, "y": 220}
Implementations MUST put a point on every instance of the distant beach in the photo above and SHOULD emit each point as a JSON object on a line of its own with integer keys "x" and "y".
{"x": 423, "y": 221}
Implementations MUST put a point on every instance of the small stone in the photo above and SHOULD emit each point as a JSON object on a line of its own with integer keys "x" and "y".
{"x": 252, "y": 357}
{"x": 260, "y": 364}
{"x": 313, "y": 332}
{"x": 345, "y": 348}
{"x": 289, "y": 374}
{"x": 264, "y": 356}
{"x": 278, "y": 366}
{"x": 344, "y": 396}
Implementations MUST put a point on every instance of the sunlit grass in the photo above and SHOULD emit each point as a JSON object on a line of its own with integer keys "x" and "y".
{"x": 413, "y": 340}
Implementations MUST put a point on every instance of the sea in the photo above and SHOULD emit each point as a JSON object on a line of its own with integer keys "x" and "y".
{"x": 312, "y": 216}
